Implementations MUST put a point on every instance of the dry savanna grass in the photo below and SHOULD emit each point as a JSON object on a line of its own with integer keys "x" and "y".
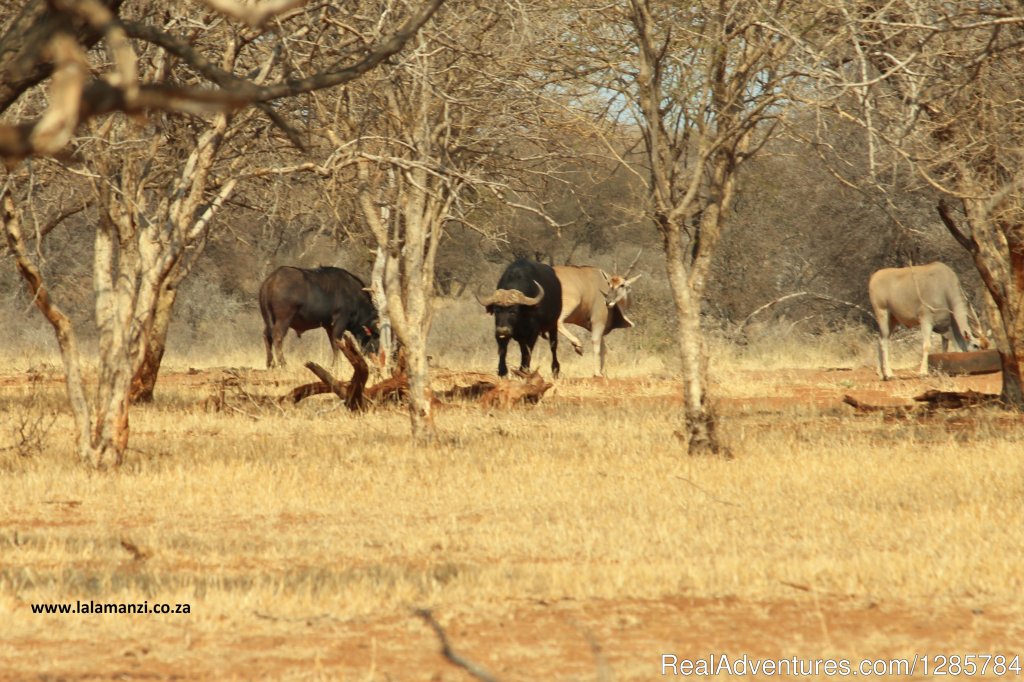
{"x": 569, "y": 540}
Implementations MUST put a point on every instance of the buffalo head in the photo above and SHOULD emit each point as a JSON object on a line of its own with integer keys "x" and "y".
{"x": 368, "y": 336}
{"x": 505, "y": 304}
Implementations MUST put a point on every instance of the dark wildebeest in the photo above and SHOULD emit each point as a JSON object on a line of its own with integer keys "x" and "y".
{"x": 526, "y": 304}
{"x": 326, "y": 297}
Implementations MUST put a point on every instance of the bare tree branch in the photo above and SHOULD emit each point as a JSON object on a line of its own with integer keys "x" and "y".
{"x": 21, "y": 62}
{"x": 55, "y": 128}
{"x": 17, "y": 141}
{"x": 947, "y": 219}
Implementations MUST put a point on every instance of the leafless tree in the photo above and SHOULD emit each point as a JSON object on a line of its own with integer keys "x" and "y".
{"x": 144, "y": 244}
{"x": 153, "y": 176}
{"x": 453, "y": 121}
{"x": 704, "y": 83}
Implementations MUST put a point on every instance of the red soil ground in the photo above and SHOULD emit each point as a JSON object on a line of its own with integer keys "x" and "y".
{"x": 566, "y": 640}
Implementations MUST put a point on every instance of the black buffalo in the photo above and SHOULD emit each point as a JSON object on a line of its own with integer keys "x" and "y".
{"x": 301, "y": 299}
{"x": 526, "y": 304}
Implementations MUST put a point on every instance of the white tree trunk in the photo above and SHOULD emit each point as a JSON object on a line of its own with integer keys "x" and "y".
{"x": 66, "y": 339}
{"x": 380, "y": 301}
{"x": 699, "y": 419}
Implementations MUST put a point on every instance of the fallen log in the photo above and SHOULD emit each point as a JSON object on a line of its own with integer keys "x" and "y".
{"x": 867, "y": 407}
{"x": 349, "y": 392}
{"x": 975, "y": 362}
{"x": 338, "y": 388}
{"x": 394, "y": 388}
{"x": 451, "y": 385}
{"x": 487, "y": 388}
{"x": 474, "y": 391}
{"x": 304, "y": 391}
{"x": 929, "y": 400}
{"x": 508, "y": 393}
{"x": 954, "y": 400}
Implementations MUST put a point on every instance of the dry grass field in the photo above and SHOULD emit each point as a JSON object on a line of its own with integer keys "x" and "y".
{"x": 566, "y": 541}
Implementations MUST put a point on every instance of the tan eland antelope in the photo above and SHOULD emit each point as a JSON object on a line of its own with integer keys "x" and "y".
{"x": 928, "y": 296}
{"x": 595, "y": 301}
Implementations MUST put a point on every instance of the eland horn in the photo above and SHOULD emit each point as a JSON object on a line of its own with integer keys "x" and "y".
{"x": 630, "y": 268}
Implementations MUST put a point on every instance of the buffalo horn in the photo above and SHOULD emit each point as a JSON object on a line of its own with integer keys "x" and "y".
{"x": 483, "y": 301}
{"x": 526, "y": 300}
{"x": 509, "y": 297}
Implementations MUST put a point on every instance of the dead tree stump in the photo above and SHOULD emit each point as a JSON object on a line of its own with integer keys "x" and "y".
{"x": 355, "y": 401}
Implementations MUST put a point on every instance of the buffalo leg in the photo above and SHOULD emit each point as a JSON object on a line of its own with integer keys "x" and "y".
{"x": 268, "y": 340}
{"x": 555, "y": 367}
{"x": 502, "y": 352}
{"x": 279, "y": 332}
{"x": 525, "y": 351}
{"x": 334, "y": 338}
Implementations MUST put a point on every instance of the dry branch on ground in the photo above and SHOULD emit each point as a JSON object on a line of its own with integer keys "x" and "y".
{"x": 488, "y": 389}
{"x": 507, "y": 393}
{"x": 929, "y": 401}
{"x": 954, "y": 400}
{"x": 229, "y": 395}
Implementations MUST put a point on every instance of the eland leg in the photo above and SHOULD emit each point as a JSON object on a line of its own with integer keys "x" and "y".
{"x": 597, "y": 338}
{"x": 926, "y": 346}
{"x": 577, "y": 345}
{"x": 883, "y": 343}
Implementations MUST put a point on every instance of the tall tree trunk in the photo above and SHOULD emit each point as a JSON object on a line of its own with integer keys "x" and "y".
{"x": 410, "y": 316}
{"x": 410, "y": 240}
{"x": 144, "y": 381}
{"x": 64, "y": 331}
{"x": 118, "y": 295}
{"x": 417, "y": 328}
{"x": 420, "y": 413}
{"x": 110, "y": 430}
{"x": 998, "y": 252}
{"x": 700, "y": 420}
{"x": 380, "y": 301}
